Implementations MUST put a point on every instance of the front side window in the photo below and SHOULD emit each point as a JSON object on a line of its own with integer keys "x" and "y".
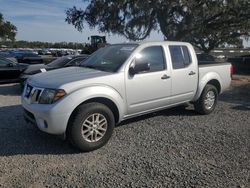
{"x": 154, "y": 56}
{"x": 180, "y": 56}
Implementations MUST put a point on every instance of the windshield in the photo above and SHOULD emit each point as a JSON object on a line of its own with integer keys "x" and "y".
{"x": 110, "y": 58}
{"x": 60, "y": 62}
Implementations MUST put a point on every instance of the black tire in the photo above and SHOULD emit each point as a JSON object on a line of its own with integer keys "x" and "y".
{"x": 75, "y": 126}
{"x": 200, "y": 106}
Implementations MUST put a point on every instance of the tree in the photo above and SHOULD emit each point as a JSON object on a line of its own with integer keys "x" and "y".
{"x": 37, "y": 44}
{"x": 205, "y": 23}
{"x": 7, "y": 30}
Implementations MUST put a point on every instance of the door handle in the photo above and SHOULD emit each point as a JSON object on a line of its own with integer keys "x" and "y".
{"x": 192, "y": 73}
{"x": 164, "y": 77}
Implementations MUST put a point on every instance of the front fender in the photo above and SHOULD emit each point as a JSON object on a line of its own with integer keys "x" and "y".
{"x": 203, "y": 82}
{"x": 74, "y": 99}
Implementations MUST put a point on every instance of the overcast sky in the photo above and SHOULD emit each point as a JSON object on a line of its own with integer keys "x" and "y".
{"x": 44, "y": 20}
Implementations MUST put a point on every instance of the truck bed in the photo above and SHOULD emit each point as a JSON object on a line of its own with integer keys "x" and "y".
{"x": 221, "y": 70}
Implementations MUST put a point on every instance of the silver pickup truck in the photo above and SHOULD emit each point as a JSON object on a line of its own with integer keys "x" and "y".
{"x": 118, "y": 82}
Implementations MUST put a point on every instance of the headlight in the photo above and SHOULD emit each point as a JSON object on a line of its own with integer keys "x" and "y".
{"x": 50, "y": 96}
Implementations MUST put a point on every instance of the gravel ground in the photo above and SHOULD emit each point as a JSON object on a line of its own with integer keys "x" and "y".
{"x": 171, "y": 148}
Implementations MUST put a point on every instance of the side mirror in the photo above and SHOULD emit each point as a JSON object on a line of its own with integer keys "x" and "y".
{"x": 141, "y": 67}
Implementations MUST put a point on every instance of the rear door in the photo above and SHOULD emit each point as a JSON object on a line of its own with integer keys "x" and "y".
{"x": 184, "y": 73}
{"x": 150, "y": 89}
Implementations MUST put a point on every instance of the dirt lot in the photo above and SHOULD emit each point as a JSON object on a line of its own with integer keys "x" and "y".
{"x": 171, "y": 148}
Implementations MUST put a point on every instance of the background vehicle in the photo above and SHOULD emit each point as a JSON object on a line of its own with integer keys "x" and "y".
{"x": 27, "y": 57}
{"x": 96, "y": 42}
{"x": 7, "y": 55}
{"x": 65, "y": 61}
{"x": 44, "y": 52}
{"x": 205, "y": 59}
{"x": 241, "y": 63}
{"x": 120, "y": 82}
{"x": 10, "y": 71}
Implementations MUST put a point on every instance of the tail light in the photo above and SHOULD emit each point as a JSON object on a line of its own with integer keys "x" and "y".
{"x": 231, "y": 71}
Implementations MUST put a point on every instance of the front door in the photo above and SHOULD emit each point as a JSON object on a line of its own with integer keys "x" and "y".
{"x": 149, "y": 89}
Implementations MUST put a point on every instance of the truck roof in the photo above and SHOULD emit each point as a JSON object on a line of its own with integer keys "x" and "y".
{"x": 154, "y": 43}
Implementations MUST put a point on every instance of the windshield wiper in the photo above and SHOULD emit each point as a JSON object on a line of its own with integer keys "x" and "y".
{"x": 88, "y": 66}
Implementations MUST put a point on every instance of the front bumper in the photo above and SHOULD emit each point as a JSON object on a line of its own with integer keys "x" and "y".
{"x": 48, "y": 118}
{"x": 29, "y": 117}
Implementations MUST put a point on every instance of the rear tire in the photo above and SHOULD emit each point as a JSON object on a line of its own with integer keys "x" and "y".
{"x": 207, "y": 101}
{"x": 91, "y": 126}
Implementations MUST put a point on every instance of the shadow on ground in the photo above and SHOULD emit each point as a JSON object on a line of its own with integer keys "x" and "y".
{"x": 175, "y": 111}
{"x": 18, "y": 137}
{"x": 239, "y": 96}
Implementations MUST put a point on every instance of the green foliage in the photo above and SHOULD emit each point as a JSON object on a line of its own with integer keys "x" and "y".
{"x": 7, "y": 30}
{"x": 37, "y": 44}
{"x": 205, "y": 23}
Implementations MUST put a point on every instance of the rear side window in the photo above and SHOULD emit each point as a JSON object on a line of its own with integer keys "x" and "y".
{"x": 180, "y": 56}
{"x": 153, "y": 55}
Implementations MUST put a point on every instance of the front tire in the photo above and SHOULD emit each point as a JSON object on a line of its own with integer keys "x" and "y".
{"x": 91, "y": 126}
{"x": 207, "y": 101}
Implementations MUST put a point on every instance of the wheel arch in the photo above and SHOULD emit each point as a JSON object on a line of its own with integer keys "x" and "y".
{"x": 102, "y": 100}
{"x": 210, "y": 78}
{"x": 216, "y": 84}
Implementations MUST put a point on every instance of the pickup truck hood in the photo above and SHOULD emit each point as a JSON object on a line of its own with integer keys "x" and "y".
{"x": 57, "y": 78}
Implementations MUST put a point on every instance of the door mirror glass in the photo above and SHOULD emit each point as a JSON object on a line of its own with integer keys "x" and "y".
{"x": 140, "y": 67}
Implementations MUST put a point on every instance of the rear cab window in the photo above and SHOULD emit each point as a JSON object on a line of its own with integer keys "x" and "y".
{"x": 180, "y": 56}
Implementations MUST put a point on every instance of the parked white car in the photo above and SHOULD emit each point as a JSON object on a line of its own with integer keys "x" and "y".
{"x": 118, "y": 82}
